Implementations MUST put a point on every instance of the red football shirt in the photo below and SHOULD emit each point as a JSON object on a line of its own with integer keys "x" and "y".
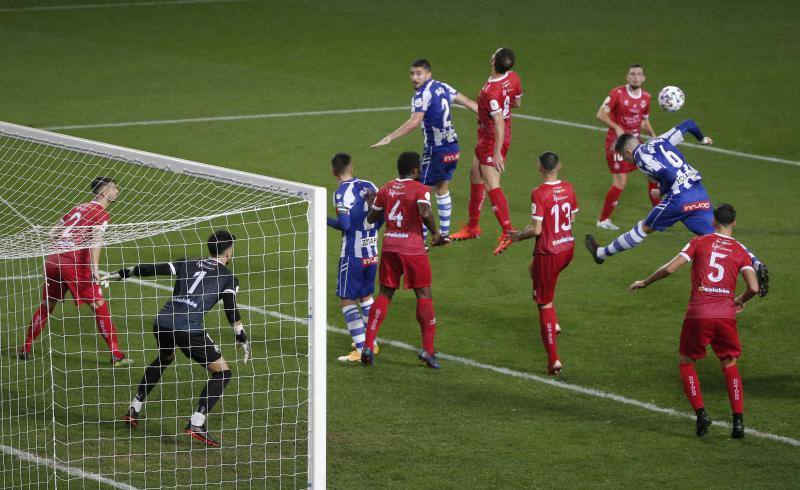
{"x": 398, "y": 200}
{"x": 717, "y": 261}
{"x": 496, "y": 95}
{"x": 80, "y": 228}
{"x": 627, "y": 111}
{"x": 554, "y": 204}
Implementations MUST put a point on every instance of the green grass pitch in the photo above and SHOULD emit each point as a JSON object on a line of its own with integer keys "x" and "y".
{"x": 398, "y": 425}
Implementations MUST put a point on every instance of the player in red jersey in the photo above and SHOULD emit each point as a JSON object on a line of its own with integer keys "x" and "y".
{"x": 717, "y": 259}
{"x": 501, "y": 92}
{"x": 77, "y": 269}
{"x": 553, "y": 206}
{"x": 405, "y": 203}
{"x": 626, "y": 109}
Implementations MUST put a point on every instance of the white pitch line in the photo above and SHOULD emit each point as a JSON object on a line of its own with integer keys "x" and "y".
{"x": 513, "y": 373}
{"x": 245, "y": 117}
{"x": 26, "y": 456}
{"x": 86, "y": 6}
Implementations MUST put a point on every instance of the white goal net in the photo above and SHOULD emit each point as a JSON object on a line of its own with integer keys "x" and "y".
{"x": 61, "y": 408}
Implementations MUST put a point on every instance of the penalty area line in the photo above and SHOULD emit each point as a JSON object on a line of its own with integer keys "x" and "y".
{"x": 513, "y": 373}
{"x": 87, "y": 6}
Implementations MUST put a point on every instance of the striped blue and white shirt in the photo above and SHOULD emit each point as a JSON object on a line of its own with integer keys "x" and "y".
{"x": 434, "y": 99}
{"x": 661, "y": 160}
{"x": 360, "y": 238}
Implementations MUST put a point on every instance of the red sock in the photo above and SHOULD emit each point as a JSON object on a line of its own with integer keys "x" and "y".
{"x": 691, "y": 385}
{"x": 36, "y": 326}
{"x": 500, "y": 208}
{"x": 427, "y": 323}
{"x": 612, "y": 199}
{"x": 547, "y": 328}
{"x": 102, "y": 318}
{"x": 735, "y": 389}
{"x": 377, "y": 314}
{"x": 476, "y": 196}
{"x": 650, "y": 187}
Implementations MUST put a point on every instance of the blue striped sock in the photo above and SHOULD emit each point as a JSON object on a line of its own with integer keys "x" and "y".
{"x": 445, "y": 208}
{"x": 355, "y": 324}
{"x": 627, "y": 240}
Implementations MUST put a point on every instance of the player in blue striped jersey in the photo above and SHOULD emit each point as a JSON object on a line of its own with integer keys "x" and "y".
{"x": 683, "y": 196}
{"x": 358, "y": 261}
{"x": 430, "y": 111}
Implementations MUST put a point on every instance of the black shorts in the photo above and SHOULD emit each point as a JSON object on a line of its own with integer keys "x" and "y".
{"x": 197, "y": 346}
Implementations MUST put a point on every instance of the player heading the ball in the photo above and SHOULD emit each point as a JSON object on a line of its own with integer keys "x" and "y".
{"x": 553, "y": 208}
{"x": 626, "y": 109}
{"x": 199, "y": 285}
{"x": 405, "y": 203}
{"x": 77, "y": 269}
{"x": 717, "y": 260}
{"x": 358, "y": 261}
{"x": 430, "y": 111}
{"x": 499, "y": 95}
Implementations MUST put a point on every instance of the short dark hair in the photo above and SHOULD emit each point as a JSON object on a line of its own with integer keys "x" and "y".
{"x": 548, "y": 160}
{"x": 725, "y": 214}
{"x": 421, "y": 63}
{"x": 340, "y": 162}
{"x": 622, "y": 141}
{"x": 635, "y": 65}
{"x": 99, "y": 182}
{"x": 503, "y": 60}
{"x": 407, "y": 162}
{"x": 219, "y": 242}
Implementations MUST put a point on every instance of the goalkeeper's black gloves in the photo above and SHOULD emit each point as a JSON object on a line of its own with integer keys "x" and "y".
{"x": 241, "y": 341}
{"x": 125, "y": 273}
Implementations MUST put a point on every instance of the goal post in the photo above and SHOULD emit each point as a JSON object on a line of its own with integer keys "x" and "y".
{"x": 60, "y": 410}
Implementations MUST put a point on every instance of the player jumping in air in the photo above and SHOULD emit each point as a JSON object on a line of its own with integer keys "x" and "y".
{"x": 553, "y": 206}
{"x": 77, "y": 269}
{"x": 358, "y": 261}
{"x": 405, "y": 203}
{"x": 501, "y": 92}
{"x": 200, "y": 284}
{"x": 430, "y": 111}
{"x": 717, "y": 260}
{"x": 626, "y": 109}
{"x": 683, "y": 196}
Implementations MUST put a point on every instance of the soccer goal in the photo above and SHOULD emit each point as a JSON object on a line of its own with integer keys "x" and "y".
{"x": 61, "y": 409}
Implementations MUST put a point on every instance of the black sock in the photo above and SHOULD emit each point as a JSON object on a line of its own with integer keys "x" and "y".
{"x": 213, "y": 391}
{"x": 152, "y": 375}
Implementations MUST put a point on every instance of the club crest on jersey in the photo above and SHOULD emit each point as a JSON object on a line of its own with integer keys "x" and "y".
{"x": 696, "y": 206}
{"x": 644, "y": 104}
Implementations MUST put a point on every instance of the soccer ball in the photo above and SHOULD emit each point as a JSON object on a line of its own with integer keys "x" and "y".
{"x": 671, "y": 98}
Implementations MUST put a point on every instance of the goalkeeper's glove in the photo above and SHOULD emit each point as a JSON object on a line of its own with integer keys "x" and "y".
{"x": 125, "y": 273}
{"x": 241, "y": 341}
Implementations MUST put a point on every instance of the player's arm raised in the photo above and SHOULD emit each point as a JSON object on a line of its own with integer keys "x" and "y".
{"x": 408, "y": 126}
{"x": 465, "y": 101}
{"x": 660, "y": 273}
{"x": 676, "y": 134}
{"x": 751, "y": 281}
{"x": 603, "y": 115}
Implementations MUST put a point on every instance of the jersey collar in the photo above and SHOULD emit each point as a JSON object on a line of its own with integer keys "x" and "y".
{"x": 630, "y": 94}
{"x": 555, "y": 182}
{"x": 502, "y": 77}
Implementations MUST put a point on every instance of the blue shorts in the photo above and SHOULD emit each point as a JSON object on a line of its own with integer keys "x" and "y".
{"x": 356, "y": 277}
{"x": 692, "y": 207}
{"x": 438, "y": 166}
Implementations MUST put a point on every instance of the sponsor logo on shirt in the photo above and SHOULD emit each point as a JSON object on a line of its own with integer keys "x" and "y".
{"x": 566, "y": 239}
{"x": 369, "y": 260}
{"x": 721, "y": 246}
{"x": 185, "y": 301}
{"x": 371, "y": 241}
{"x": 394, "y": 234}
{"x": 695, "y": 206}
{"x": 705, "y": 289}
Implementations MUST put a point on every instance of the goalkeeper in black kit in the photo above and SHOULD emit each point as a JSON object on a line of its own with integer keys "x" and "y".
{"x": 200, "y": 285}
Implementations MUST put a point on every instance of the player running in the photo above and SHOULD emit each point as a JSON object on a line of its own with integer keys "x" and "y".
{"x": 408, "y": 203}
{"x": 626, "y": 109}
{"x": 553, "y": 207}
{"x": 200, "y": 284}
{"x": 501, "y": 92}
{"x": 77, "y": 269}
{"x": 430, "y": 111}
{"x": 717, "y": 260}
{"x": 358, "y": 261}
{"x": 684, "y": 197}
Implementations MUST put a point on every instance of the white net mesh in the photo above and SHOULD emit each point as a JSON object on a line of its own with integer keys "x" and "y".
{"x": 60, "y": 410}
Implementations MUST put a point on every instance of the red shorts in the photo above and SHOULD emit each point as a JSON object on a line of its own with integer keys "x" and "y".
{"x": 484, "y": 151}
{"x": 544, "y": 271}
{"x": 77, "y": 279}
{"x": 721, "y": 333}
{"x": 616, "y": 165}
{"x": 415, "y": 269}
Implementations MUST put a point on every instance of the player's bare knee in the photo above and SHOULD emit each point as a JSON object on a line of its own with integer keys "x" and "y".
{"x": 347, "y": 302}
{"x": 217, "y": 366}
{"x": 731, "y": 361}
{"x": 686, "y": 359}
{"x": 423, "y": 293}
{"x": 544, "y": 307}
{"x": 98, "y": 304}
